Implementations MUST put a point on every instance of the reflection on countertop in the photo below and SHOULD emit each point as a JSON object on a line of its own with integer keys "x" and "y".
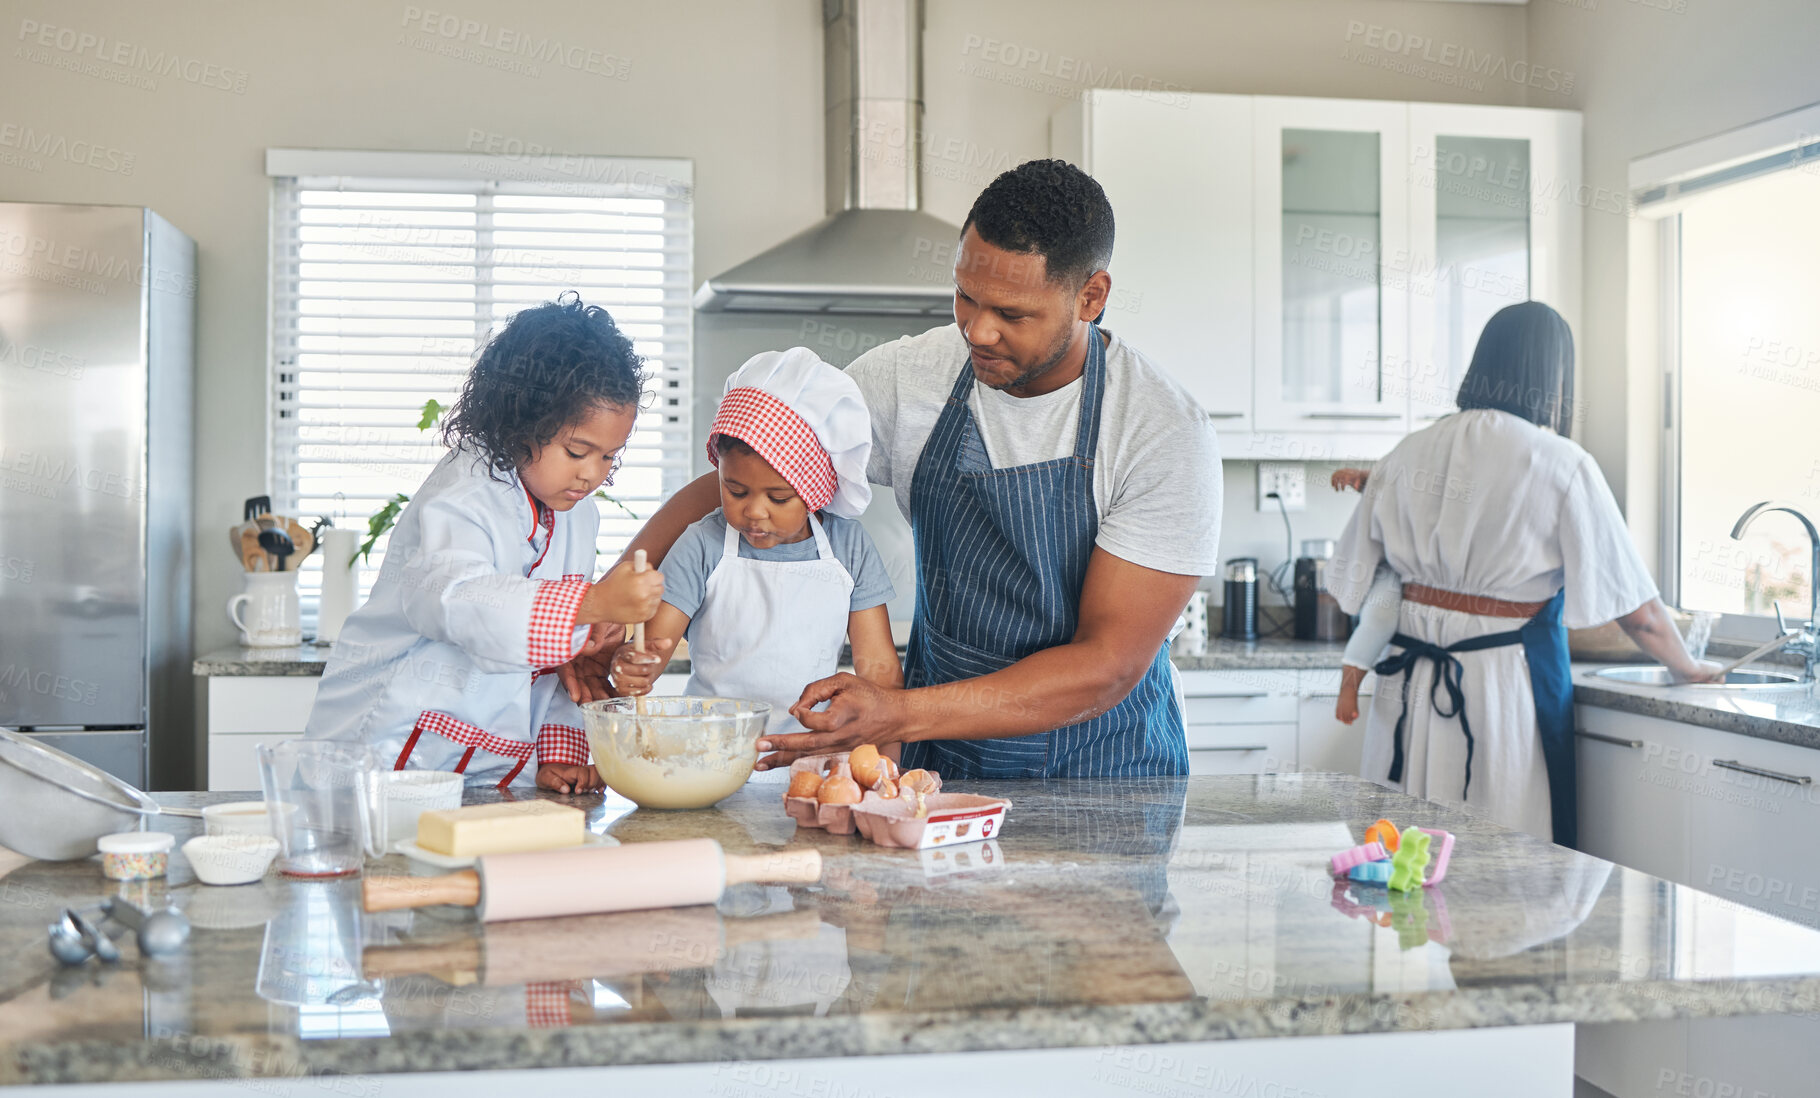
{"x": 1106, "y": 912}
{"x": 1786, "y": 714}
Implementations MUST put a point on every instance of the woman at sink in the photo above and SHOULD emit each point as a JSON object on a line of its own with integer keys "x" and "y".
{"x": 1503, "y": 535}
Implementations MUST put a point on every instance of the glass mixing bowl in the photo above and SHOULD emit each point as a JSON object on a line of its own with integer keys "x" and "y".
{"x": 683, "y": 752}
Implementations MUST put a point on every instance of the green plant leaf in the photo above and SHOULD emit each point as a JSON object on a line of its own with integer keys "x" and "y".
{"x": 432, "y": 412}
{"x": 383, "y": 519}
{"x": 616, "y": 503}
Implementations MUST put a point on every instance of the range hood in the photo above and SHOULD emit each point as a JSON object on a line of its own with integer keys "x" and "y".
{"x": 877, "y": 252}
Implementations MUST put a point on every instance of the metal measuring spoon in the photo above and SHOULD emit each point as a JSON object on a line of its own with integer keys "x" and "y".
{"x": 101, "y": 944}
{"x": 66, "y": 942}
{"x": 159, "y": 932}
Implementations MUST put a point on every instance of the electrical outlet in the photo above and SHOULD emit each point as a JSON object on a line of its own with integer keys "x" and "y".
{"x": 1287, "y": 479}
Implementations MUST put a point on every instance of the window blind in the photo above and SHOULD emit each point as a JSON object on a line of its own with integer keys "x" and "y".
{"x": 383, "y": 289}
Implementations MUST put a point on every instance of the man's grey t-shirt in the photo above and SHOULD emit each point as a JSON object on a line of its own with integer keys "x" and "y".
{"x": 1156, "y": 475}
{"x": 703, "y": 546}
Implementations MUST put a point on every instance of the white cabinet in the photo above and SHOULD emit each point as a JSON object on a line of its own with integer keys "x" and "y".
{"x": 1316, "y": 271}
{"x": 1240, "y": 722}
{"x": 1329, "y": 209}
{"x": 1754, "y": 822}
{"x": 1493, "y": 220}
{"x": 1631, "y": 810}
{"x": 1669, "y": 799}
{"x": 1723, "y": 813}
{"x": 1322, "y": 741}
{"x": 1181, "y": 278}
{"x": 246, "y": 711}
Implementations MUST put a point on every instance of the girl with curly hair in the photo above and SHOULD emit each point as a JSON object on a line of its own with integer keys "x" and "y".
{"x": 487, "y": 583}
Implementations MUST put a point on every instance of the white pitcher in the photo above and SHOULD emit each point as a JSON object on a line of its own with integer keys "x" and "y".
{"x": 267, "y": 611}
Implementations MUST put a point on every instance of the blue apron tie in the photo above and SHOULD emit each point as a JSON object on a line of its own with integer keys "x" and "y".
{"x": 1001, "y": 557}
{"x": 1448, "y": 671}
{"x": 1544, "y": 640}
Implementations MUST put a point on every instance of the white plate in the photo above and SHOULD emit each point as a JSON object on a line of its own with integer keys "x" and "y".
{"x": 410, "y": 849}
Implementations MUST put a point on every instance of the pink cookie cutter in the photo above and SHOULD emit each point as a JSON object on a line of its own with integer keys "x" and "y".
{"x": 1438, "y": 860}
{"x": 1358, "y": 855}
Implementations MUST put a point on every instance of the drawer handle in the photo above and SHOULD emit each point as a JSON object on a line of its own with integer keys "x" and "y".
{"x": 1212, "y": 697}
{"x": 1352, "y": 415}
{"x": 1609, "y": 739}
{"x": 1776, "y": 775}
{"x": 1225, "y": 415}
{"x": 1260, "y": 747}
{"x": 1334, "y": 694}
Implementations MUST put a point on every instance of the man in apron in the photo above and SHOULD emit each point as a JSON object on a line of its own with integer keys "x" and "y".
{"x": 1064, "y": 494}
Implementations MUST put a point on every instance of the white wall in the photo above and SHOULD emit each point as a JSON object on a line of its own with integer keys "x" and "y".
{"x": 1652, "y": 74}
{"x": 733, "y": 84}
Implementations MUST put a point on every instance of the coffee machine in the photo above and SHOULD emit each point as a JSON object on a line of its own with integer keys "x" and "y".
{"x": 1318, "y": 616}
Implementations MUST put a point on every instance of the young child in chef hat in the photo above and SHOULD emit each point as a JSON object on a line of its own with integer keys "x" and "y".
{"x": 768, "y": 587}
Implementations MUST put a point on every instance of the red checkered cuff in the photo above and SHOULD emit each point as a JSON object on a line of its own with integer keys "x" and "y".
{"x": 558, "y": 743}
{"x": 774, "y": 430}
{"x": 547, "y": 1004}
{"x": 553, "y": 631}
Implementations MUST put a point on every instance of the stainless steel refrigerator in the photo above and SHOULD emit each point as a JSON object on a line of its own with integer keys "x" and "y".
{"x": 97, "y": 350}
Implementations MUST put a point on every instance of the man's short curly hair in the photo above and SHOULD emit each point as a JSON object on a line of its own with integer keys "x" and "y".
{"x": 1049, "y": 208}
{"x": 549, "y": 366}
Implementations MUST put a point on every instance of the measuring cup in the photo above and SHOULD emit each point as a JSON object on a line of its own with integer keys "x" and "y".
{"x": 326, "y": 802}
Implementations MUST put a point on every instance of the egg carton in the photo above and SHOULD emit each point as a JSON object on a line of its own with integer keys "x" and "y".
{"x": 836, "y": 819}
{"x": 952, "y": 819}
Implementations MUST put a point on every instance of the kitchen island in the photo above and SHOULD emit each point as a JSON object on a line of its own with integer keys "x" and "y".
{"x": 1163, "y": 936}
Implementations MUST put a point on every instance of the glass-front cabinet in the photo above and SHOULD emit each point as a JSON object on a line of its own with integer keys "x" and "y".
{"x": 1492, "y": 199}
{"x": 1330, "y": 225}
{"x": 1316, "y": 272}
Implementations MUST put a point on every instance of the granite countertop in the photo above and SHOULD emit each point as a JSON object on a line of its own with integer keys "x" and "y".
{"x": 1786, "y": 714}
{"x": 1220, "y": 655}
{"x": 1112, "y": 912}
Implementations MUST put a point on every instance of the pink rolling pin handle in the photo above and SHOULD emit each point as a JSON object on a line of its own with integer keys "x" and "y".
{"x": 1358, "y": 855}
{"x": 1440, "y": 858}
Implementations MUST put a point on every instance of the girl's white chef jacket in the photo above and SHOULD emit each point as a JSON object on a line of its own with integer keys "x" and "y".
{"x": 447, "y": 664}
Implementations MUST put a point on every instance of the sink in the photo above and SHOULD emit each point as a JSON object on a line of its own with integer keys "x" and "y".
{"x": 1657, "y": 675}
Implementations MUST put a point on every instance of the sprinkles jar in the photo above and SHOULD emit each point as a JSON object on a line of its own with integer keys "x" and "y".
{"x": 135, "y": 855}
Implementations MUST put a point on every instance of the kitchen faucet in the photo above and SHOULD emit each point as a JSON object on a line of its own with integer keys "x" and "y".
{"x": 1806, "y": 642}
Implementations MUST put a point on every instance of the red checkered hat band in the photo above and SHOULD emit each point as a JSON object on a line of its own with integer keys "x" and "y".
{"x": 780, "y": 436}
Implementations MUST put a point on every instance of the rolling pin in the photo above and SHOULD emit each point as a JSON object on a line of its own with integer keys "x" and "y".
{"x": 589, "y": 880}
{"x": 626, "y": 943}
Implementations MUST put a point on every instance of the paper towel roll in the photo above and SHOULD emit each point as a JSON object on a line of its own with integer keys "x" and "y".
{"x": 340, "y": 582}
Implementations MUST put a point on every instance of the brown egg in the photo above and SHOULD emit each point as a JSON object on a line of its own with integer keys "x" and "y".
{"x": 886, "y": 788}
{"x": 865, "y": 762}
{"x": 920, "y": 780}
{"x": 804, "y": 783}
{"x": 889, "y": 768}
{"x": 838, "y": 790}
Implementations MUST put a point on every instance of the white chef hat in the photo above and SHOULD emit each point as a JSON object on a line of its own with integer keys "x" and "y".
{"x": 808, "y": 420}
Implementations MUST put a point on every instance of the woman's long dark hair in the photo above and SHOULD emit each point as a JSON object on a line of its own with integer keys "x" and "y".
{"x": 1524, "y": 365}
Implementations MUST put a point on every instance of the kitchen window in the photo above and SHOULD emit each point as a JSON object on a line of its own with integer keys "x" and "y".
{"x": 390, "y": 270}
{"x": 1740, "y": 347}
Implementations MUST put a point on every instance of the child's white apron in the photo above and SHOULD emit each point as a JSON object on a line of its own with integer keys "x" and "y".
{"x": 767, "y": 628}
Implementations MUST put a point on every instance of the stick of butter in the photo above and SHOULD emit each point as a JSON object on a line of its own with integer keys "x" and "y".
{"x": 505, "y": 828}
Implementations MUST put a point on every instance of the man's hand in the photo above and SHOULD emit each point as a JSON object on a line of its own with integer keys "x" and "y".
{"x": 585, "y": 676}
{"x": 569, "y": 778}
{"x": 633, "y": 671}
{"x": 858, "y": 712}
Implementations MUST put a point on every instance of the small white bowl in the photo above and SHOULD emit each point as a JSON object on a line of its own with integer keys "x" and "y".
{"x": 236, "y": 818}
{"x": 411, "y": 793}
{"x": 230, "y": 859}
